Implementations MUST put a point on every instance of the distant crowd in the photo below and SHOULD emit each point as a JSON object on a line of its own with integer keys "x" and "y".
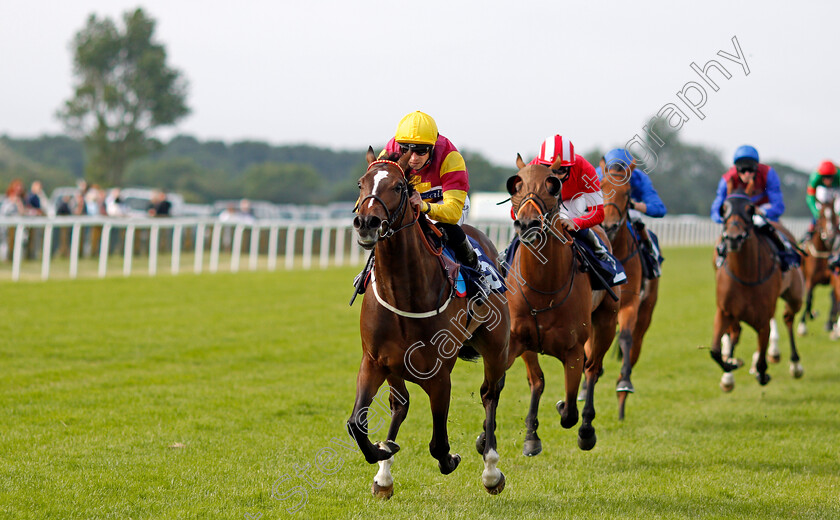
{"x": 85, "y": 200}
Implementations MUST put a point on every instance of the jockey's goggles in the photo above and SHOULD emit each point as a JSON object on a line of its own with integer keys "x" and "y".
{"x": 419, "y": 149}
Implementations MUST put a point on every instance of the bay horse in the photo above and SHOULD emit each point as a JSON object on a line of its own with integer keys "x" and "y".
{"x": 553, "y": 308}
{"x": 815, "y": 266}
{"x": 638, "y": 296}
{"x": 748, "y": 283}
{"x": 412, "y": 327}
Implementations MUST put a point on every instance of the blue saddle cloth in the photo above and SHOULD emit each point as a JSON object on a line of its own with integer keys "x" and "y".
{"x": 613, "y": 273}
{"x": 467, "y": 285}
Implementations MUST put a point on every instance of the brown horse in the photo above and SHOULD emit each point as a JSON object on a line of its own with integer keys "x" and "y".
{"x": 412, "y": 328}
{"x": 638, "y": 296}
{"x": 815, "y": 265}
{"x": 748, "y": 283}
{"x": 553, "y": 308}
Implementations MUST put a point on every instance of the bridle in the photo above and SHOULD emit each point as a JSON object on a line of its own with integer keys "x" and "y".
{"x": 546, "y": 214}
{"x": 740, "y": 238}
{"x": 385, "y": 229}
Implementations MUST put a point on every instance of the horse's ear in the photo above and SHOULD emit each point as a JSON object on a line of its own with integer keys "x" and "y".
{"x": 519, "y": 162}
{"x": 553, "y": 185}
{"x": 513, "y": 184}
{"x": 403, "y": 161}
{"x": 556, "y": 164}
{"x": 370, "y": 156}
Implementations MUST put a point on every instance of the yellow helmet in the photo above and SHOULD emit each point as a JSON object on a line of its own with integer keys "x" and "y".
{"x": 417, "y": 128}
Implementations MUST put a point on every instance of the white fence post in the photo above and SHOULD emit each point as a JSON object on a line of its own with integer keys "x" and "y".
{"x": 46, "y": 255}
{"x": 177, "y": 231}
{"x": 273, "y": 238}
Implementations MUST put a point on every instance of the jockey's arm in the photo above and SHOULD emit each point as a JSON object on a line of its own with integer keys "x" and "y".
{"x": 718, "y": 202}
{"x": 642, "y": 191}
{"x": 776, "y": 206}
{"x": 449, "y": 210}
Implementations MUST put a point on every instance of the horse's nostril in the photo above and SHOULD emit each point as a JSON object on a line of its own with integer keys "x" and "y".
{"x": 357, "y": 222}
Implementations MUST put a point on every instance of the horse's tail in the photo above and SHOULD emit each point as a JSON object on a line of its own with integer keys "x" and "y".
{"x": 468, "y": 353}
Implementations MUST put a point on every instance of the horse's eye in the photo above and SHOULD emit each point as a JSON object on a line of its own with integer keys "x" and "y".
{"x": 359, "y": 184}
{"x": 398, "y": 188}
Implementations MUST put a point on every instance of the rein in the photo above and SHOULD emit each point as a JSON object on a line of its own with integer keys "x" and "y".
{"x": 623, "y": 222}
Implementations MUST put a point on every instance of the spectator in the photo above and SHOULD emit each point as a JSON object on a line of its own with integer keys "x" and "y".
{"x": 11, "y": 207}
{"x": 37, "y": 201}
{"x": 113, "y": 204}
{"x": 159, "y": 206}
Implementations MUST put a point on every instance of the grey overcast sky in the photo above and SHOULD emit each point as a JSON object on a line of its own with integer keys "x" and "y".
{"x": 498, "y": 77}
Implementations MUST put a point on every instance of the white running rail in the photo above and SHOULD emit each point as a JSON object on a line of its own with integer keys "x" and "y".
{"x": 261, "y": 243}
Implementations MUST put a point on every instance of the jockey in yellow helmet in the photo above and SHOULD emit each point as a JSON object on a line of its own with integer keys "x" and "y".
{"x": 439, "y": 176}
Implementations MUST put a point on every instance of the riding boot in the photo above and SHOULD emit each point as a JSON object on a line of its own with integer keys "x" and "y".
{"x": 784, "y": 249}
{"x": 467, "y": 255}
{"x": 602, "y": 253}
{"x": 649, "y": 249}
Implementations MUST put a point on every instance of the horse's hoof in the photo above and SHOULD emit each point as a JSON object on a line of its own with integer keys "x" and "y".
{"x": 480, "y": 443}
{"x": 382, "y": 493}
{"x": 495, "y": 490}
{"x": 389, "y": 448}
{"x": 727, "y": 382}
{"x": 796, "y": 369}
{"x": 734, "y": 363}
{"x": 566, "y": 421}
{"x": 763, "y": 379}
{"x": 532, "y": 447}
{"x": 587, "y": 443}
{"x": 801, "y": 329}
{"x": 625, "y": 386}
{"x": 451, "y": 465}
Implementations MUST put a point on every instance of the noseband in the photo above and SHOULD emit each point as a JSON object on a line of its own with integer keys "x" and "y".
{"x": 545, "y": 214}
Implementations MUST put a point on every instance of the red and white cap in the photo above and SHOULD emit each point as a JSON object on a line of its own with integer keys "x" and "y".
{"x": 556, "y": 146}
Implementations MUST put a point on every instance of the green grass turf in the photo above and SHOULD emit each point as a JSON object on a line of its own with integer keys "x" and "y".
{"x": 254, "y": 374}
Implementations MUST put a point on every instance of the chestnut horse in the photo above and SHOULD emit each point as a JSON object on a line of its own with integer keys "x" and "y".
{"x": 748, "y": 283}
{"x": 553, "y": 308}
{"x": 638, "y": 296}
{"x": 412, "y": 327}
{"x": 815, "y": 266}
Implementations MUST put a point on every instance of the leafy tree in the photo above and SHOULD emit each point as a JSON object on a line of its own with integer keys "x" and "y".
{"x": 124, "y": 91}
{"x": 283, "y": 183}
{"x": 485, "y": 176}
